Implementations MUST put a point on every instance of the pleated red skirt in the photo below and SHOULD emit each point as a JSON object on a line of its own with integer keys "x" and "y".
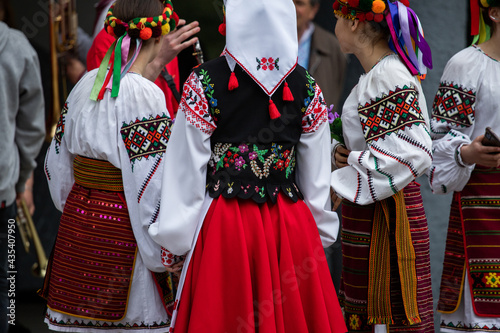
{"x": 259, "y": 268}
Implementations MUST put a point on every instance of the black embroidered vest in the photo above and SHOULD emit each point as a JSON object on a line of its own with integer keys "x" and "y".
{"x": 253, "y": 156}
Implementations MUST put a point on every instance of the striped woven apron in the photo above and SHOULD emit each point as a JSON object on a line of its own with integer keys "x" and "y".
{"x": 473, "y": 245}
{"x": 91, "y": 266}
{"x": 404, "y": 300}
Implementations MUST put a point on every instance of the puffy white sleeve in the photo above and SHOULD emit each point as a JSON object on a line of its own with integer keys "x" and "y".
{"x": 314, "y": 168}
{"x": 58, "y": 166}
{"x": 452, "y": 126}
{"x": 396, "y": 148}
{"x": 185, "y": 171}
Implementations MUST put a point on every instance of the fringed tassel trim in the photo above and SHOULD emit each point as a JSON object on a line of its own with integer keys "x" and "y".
{"x": 380, "y": 321}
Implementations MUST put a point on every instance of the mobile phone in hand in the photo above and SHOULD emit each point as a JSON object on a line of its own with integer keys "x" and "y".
{"x": 490, "y": 138}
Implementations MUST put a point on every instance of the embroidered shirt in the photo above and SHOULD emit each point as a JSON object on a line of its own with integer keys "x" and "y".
{"x": 465, "y": 104}
{"x": 131, "y": 132}
{"x": 385, "y": 125}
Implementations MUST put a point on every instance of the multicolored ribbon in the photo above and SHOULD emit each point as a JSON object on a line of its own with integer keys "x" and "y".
{"x": 479, "y": 29}
{"x": 116, "y": 60}
{"x": 408, "y": 38}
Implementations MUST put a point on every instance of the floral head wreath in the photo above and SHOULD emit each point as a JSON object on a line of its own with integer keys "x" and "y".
{"x": 479, "y": 29}
{"x": 369, "y": 10}
{"x": 141, "y": 29}
{"x": 407, "y": 36}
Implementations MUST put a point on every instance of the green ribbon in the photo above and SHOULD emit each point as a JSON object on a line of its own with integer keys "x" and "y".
{"x": 101, "y": 74}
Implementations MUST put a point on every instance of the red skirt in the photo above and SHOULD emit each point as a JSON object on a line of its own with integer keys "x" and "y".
{"x": 259, "y": 268}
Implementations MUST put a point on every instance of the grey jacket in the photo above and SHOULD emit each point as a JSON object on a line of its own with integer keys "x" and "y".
{"x": 22, "y": 116}
{"x": 327, "y": 64}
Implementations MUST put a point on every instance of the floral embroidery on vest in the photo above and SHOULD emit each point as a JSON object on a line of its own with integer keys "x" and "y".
{"x": 454, "y": 104}
{"x": 252, "y": 171}
{"x": 268, "y": 64}
{"x": 146, "y": 137}
{"x": 60, "y": 128}
{"x": 195, "y": 105}
{"x": 388, "y": 114}
{"x": 208, "y": 88}
{"x": 315, "y": 111}
{"x": 225, "y": 155}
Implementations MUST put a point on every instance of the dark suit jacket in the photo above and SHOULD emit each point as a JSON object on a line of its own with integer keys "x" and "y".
{"x": 327, "y": 64}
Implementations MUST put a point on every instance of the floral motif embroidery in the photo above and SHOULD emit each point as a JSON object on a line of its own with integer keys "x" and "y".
{"x": 268, "y": 63}
{"x": 61, "y": 124}
{"x": 390, "y": 113}
{"x": 208, "y": 88}
{"x": 146, "y": 137}
{"x": 454, "y": 104}
{"x": 195, "y": 105}
{"x": 226, "y": 155}
{"x": 315, "y": 112}
{"x": 252, "y": 171}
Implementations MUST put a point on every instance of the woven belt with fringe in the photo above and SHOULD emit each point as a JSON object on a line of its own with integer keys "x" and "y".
{"x": 379, "y": 306}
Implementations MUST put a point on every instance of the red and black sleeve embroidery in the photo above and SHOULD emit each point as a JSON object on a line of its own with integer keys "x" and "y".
{"x": 60, "y": 128}
{"x": 454, "y": 104}
{"x": 395, "y": 111}
{"x": 146, "y": 137}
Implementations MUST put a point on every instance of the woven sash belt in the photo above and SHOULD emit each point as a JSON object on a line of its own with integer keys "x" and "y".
{"x": 379, "y": 303}
{"x": 97, "y": 174}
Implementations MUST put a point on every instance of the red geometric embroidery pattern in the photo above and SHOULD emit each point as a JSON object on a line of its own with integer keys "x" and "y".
{"x": 394, "y": 111}
{"x": 454, "y": 104}
{"x": 316, "y": 113}
{"x": 146, "y": 137}
{"x": 60, "y": 128}
{"x": 195, "y": 106}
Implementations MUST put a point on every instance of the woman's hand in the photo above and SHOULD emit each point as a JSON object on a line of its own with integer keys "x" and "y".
{"x": 336, "y": 200}
{"x": 476, "y": 153}
{"x": 341, "y": 155}
{"x": 176, "y": 268}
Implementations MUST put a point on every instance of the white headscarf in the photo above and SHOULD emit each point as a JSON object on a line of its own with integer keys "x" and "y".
{"x": 261, "y": 36}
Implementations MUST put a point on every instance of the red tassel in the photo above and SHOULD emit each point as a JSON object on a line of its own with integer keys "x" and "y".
{"x": 222, "y": 29}
{"x": 405, "y": 2}
{"x": 273, "y": 110}
{"x": 287, "y": 94}
{"x": 233, "y": 82}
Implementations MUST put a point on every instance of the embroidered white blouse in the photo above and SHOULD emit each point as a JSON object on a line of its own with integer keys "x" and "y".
{"x": 466, "y": 103}
{"x": 131, "y": 132}
{"x": 385, "y": 126}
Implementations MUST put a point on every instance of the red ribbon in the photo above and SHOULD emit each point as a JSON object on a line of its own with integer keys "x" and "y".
{"x": 475, "y": 14}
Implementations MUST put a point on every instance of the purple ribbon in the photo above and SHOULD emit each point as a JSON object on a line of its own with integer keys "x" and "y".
{"x": 404, "y": 27}
{"x": 401, "y": 53}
